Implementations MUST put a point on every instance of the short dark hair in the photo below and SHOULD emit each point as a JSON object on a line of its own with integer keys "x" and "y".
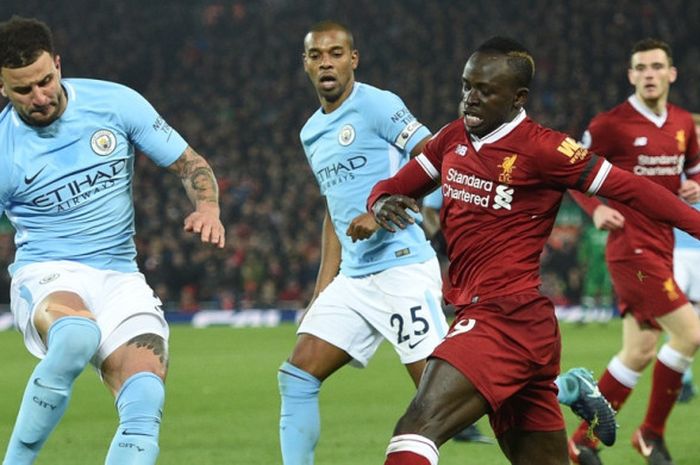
{"x": 333, "y": 25}
{"x": 22, "y": 41}
{"x": 651, "y": 43}
{"x": 519, "y": 58}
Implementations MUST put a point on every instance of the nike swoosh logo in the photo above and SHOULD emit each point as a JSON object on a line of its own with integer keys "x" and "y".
{"x": 31, "y": 179}
{"x": 462, "y": 326}
{"x": 126, "y": 432}
{"x": 596, "y": 392}
{"x": 412, "y": 346}
{"x": 643, "y": 447}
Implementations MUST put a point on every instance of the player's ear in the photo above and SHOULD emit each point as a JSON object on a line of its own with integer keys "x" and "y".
{"x": 355, "y": 56}
{"x": 672, "y": 74}
{"x": 2, "y": 89}
{"x": 521, "y": 97}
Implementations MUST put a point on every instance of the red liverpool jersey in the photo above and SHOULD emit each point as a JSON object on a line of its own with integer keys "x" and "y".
{"x": 660, "y": 148}
{"x": 501, "y": 196}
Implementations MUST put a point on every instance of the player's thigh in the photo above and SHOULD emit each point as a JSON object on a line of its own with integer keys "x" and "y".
{"x": 410, "y": 316}
{"x": 40, "y": 293}
{"x": 535, "y": 447}
{"x": 145, "y": 350}
{"x": 336, "y": 323}
{"x": 317, "y": 357}
{"x": 446, "y": 402}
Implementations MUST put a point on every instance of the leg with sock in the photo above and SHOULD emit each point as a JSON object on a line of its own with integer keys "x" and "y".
{"x": 300, "y": 421}
{"x": 140, "y": 407}
{"x": 71, "y": 341}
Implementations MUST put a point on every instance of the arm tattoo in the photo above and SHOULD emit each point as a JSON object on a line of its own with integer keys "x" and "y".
{"x": 197, "y": 177}
{"x": 152, "y": 342}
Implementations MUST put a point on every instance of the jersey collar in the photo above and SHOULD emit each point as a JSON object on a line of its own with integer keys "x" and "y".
{"x": 500, "y": 132}
{"x": 657, "y": 120}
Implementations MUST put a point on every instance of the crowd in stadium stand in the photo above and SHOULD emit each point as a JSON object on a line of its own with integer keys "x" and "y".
{"x": 228, "y": 75}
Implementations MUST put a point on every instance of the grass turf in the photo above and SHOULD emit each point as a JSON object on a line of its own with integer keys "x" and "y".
{"x": 222, "y": 404}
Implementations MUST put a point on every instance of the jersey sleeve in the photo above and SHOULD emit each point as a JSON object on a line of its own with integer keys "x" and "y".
{"x": 692, "y": 158}
{"x": 147, "y": 130}
{"x": 395, "y": 123}
{"x": 567, "y": 163}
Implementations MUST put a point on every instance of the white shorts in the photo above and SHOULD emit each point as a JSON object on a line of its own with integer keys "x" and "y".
{"x": 686, "y": 271}
{"x": 401, "y": 304}
{"x": 123, "y": 304}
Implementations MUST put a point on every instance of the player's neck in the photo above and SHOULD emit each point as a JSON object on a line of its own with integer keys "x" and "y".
{"x": 656, "y": 106}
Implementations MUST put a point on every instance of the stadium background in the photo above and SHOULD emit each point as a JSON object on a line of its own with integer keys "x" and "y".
{"x": 228, "y": 76}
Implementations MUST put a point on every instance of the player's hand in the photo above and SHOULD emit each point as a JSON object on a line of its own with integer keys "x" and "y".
{"x": 362, "y": 227}
{"x": 607, "y": 219}
{"x": 690, "y": 191}
{"x": 390, "y": 211}
{"x": 205, "y": 222}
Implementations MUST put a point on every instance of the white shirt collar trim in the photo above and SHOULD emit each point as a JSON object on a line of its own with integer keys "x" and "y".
{"x": 657, "y": 120}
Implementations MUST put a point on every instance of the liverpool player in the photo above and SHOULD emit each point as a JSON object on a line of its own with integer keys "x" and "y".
{"x": 503, "y": 177}
{"x": 652, "y": 139}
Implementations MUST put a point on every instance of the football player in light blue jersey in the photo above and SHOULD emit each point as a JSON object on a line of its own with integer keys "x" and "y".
{"x": 66, "y": 167}
{"x": 386, "y": 288}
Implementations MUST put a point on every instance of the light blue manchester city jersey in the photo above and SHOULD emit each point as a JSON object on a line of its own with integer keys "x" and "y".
{"x": 367, "y": 139}
{"x": 66, "y": 187}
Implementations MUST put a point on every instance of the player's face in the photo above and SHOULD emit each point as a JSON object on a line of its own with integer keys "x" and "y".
{"x": 330, "y": 63}
{"x": 35, "y": 90}
{"x": 651, "y": 74}
{"x": 490, "y": 96}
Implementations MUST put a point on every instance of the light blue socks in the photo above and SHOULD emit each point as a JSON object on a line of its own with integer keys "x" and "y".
{"x": 140, "y": 407}
{"x": 300, "y": 420}
{"x": 72, "y": 341}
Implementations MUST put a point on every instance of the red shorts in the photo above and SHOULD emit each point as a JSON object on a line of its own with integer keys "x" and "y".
{"x": 645, "y": 288}
{"x": 509, "y": 349}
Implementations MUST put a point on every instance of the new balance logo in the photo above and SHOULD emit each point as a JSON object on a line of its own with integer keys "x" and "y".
{"x": 640, "y": 142}
{"x": 461, "y": 150}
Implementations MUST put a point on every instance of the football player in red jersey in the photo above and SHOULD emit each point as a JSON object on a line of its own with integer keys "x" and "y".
{"x": 503, "y": 177}
{"x": 654, "y": 139}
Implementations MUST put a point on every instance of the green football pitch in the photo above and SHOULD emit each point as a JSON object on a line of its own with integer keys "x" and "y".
{"x": 222, "y": 404}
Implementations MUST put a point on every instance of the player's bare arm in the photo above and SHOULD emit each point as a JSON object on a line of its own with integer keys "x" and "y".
{"x": 202, "y": 189}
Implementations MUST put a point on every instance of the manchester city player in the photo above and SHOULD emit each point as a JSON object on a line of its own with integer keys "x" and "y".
{"x": 386, "y": 288}
{"x": 66, "y": 165}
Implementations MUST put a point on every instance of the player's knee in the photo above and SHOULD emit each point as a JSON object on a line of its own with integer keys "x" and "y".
{"x": 294, "y": 381}
{"x": 72, "y": 342}
{"x": 140, "y": 404}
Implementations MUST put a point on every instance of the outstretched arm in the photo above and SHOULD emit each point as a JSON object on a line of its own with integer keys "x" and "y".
{"x": 200, "y": 184}
{"x": 651, "y": 199}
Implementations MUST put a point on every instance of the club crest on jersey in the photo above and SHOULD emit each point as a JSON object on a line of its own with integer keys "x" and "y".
{"x": 103, "y": 142}
{"x": 508, "y": 165}
{"x": 346, "y": 135}
{"x": 461, "y": 150}
{"x": 680, "y": 137}
{"x": 670, "y": 289}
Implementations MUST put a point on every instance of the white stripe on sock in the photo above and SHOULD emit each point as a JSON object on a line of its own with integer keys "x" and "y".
{"x": 626, "y": 376}
{"x": 414, "y": 443}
